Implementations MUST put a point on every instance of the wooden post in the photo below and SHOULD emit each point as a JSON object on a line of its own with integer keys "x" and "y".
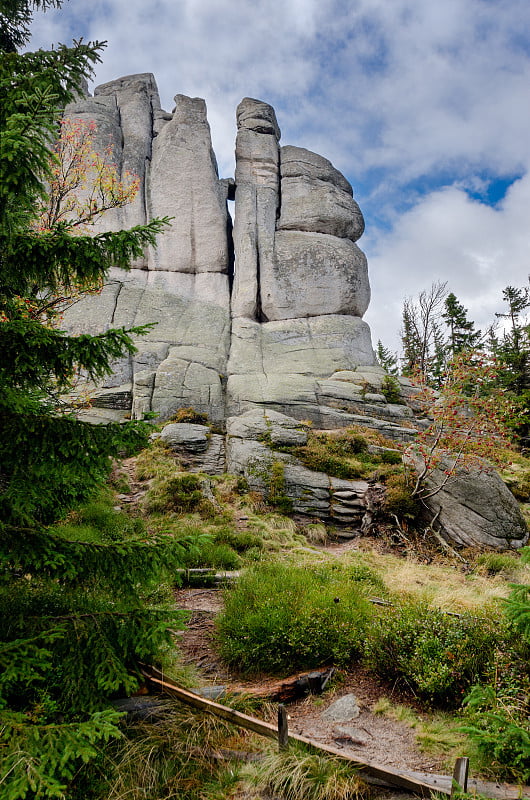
{"x": 460, "y": 775}
{"x": 283, "y": 732}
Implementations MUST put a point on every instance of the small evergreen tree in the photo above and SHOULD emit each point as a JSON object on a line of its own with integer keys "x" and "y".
{"x": 514, "y": 347}
{"x": 387, "y": 359}
{"x": 73, "y": 625}
{"x": 512, "y": 350}
{"x": 462, "y": 333}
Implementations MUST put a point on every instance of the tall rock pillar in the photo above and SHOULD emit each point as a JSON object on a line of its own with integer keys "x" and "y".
{"x": 257, "y": 203}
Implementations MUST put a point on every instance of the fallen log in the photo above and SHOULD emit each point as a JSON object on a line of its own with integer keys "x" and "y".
{"x": 291, "y": 688}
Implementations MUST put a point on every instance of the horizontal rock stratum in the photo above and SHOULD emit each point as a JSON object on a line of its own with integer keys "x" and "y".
{"x": 259, "y": 320}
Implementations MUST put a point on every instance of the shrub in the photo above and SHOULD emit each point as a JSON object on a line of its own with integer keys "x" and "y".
{"x": 398, "y": 498}
{"x": 281, "y": 618}
{"x": 500, "y": 730}
{"x": 238, "y": 541}
{"x": 190, "y": 415}
{"x": 181, "y": 492}
{"x": 499, "y": 710}
{"x": 437, "y": 655}
{"x": 391, "y": 389}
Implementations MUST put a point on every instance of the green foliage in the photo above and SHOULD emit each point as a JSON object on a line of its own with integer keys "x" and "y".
{"x": 398, "y": 499}
{"x": 501, "y": 734}
{"x": 498, "y": 563}
{"x": 213, "y": 554}
{"x": 238, "y": 540}
{"x": 61, "y": 748}
{"x": 73, "y": 622}
{"x": 276, "y": 490}
{"x": 281, "y": 618}
{"x": 56, "y": 462}
{"x": 498, "y": 709}
{"x": 461, "y": 330}
{"x": 180, "y": 492}
{"x": 166, "y": 756}
{"x": 436, "y": 655}
{"x": 391, "y": 389}
{"x": 518, "y": 604}
{"x": 345, "y": 454}
{"x": 386, "y": 358}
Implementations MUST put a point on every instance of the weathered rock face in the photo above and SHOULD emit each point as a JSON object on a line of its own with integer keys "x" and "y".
{"x": 260, "y": 325}
{"x": 183, "y": 285}
{"x": 262, "y": 333}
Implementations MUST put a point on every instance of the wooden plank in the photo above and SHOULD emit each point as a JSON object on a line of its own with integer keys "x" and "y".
{"x": 283, "y": 728}
{"x": 195, "y": 700}
{"x": 419, "y": 783}
{"x": 387, "y": 774}
{"x": 460, "y": 775}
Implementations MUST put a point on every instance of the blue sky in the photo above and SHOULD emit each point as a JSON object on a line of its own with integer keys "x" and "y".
{"x": 424, "y": 105}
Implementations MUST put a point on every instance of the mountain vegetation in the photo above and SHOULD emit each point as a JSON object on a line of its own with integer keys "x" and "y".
{"x": 74, "y": 614}
{"x": 87, "y": 590}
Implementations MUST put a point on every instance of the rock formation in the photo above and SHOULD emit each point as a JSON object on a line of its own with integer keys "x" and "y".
{"x": 258, "y": 325}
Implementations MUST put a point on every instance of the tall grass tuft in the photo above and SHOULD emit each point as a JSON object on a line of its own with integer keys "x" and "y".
{"x": 296, "y": 774}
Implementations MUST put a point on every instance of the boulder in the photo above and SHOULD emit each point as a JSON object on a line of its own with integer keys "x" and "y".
{"x": 319, "y": 206}
{"x": 256, "y": 202}
{"x": 297, "y": 162}
{"x": 186, "y": 436}
{"x": 345, "y": 709}
{"x": 266, "y": 424}
{"x": 313, "y": 274}
{"x": 475, "y": 509}
{"x": 250, "y": 439}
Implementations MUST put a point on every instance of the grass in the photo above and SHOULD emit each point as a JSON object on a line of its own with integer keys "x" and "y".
{"x": 442, "y": 585}
{"x": 237, "y": 529}
{"x": 297, "y": 774}
{"x": 168, "y": 756}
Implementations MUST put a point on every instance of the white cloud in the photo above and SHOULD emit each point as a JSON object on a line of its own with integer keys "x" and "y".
{"x": 447, "y": 236}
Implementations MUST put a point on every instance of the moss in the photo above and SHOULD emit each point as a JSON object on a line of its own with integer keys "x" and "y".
{"x": 277, "y": 496}
{"x": 345, "y": 454}
{"x": 398, "y": 498}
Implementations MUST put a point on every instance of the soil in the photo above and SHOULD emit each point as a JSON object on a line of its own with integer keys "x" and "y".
{"x": 372, "y": 737}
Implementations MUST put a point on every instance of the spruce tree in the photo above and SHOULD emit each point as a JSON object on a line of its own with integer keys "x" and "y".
{"x": 73, "y": 624}
{"x": 514, "y": 347}
{"x": 387, "y": 359}
{"x": 462, "y": 333}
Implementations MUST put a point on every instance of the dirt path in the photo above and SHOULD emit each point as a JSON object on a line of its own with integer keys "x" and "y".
{"x": 370, "y": 736}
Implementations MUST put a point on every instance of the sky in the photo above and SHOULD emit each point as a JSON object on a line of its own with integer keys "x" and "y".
{"x": 424, "y": 106}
